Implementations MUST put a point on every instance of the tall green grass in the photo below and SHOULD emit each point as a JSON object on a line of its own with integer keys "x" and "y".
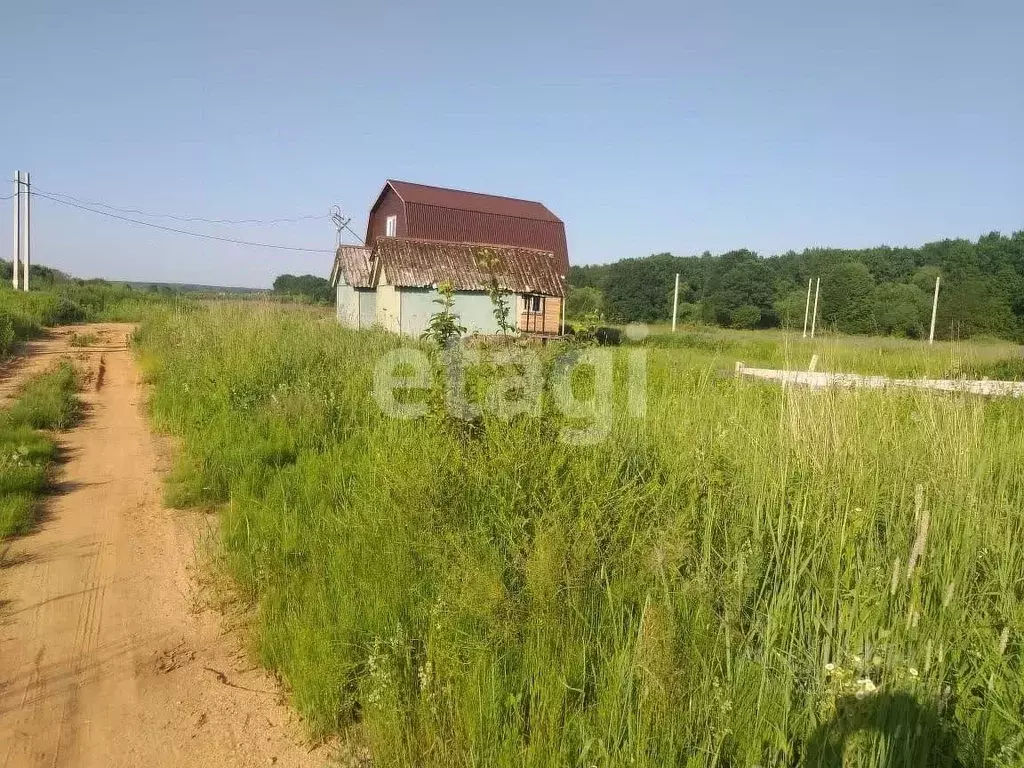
{"x": 48, "y": 402}
{"x": 24, "y": 315}
{"x": 883, "y": 356}
{"x": 745, "y": 576}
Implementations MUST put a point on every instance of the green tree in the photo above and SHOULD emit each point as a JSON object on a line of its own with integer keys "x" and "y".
{"x": 791, "y": 309}
{"x": 583, "y": 301}
{"x": 982, "y": 286}
{"x": 845, "y": 301}
{"x": 314, "y": 288}
{"x": 741, "y": 279}
{"x": 641, "y": 289}
{"x": 746, "y": 316}
{"x": 900, "y": 309}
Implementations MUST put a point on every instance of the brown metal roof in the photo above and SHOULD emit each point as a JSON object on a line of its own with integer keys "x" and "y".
{"x": 352, "y": 262}
{"x": 414, "y": 263}
{"x": 457, "y": 199}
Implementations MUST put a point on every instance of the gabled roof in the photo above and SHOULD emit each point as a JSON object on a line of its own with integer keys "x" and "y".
{"x": 457, "y": 199}
{"x": 415, "y": 263}
{"x": 353, "y": 263}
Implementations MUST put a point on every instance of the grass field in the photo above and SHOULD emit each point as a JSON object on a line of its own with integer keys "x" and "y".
{"x": 48, "y": 402}
{"x": 975, "y": 358}
{"x": 24, "y": 315}
{"x": 742, "y": 576}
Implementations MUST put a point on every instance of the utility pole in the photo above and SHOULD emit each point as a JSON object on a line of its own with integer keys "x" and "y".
{"x": 807, "y": 306}
{"x": 16, "y": 254}
{"x": 814, "y": 317}
{"x": 26, "y": 251}
{"x": 935, "y": 308}
{"x": 675, "y": 303}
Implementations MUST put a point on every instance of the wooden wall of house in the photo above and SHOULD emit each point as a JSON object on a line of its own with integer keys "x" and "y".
{"x": 547, "y": 321}
{"x": 390, "y": 204}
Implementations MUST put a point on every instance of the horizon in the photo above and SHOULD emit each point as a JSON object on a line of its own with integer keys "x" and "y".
{"x": 719, "y": 254}
{"x": 771, "y": 129}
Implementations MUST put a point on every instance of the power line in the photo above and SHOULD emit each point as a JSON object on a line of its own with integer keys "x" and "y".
{"x": 357, "y": 236}
{"x": 37, "y": 193}
{"x": 192, "y": 219}
{"x": 342, "y": 222}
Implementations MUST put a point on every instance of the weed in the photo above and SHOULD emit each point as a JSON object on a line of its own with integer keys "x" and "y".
{"x": 47, "y": 402}
{"x": 711, "y": 585}
{"x": 83, "y": 339}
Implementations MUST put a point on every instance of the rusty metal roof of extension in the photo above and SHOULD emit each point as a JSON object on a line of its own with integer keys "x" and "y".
{"x": 353, "y": 262}
{"x": 457, "y": 199}
{"x": 414, "y": 263}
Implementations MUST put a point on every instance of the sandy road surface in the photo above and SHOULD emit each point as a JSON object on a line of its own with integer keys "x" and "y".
{"x": 106, "y": 656}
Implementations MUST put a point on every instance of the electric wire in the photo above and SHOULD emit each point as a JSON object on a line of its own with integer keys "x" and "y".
{"x": 177, "y": 217}
{"x": 37, "y": 193}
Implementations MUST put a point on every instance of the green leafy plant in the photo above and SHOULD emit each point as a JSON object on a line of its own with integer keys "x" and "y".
{"x": 444, "y": 328}
{"x": 487, "y": 260}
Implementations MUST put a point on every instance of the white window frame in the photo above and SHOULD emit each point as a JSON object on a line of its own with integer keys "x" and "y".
{"x": 534, "y": 303}
{"x": 391, "y": 226}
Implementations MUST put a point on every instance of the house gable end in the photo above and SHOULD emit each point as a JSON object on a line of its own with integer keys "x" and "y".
{"x": 388, "y": 203}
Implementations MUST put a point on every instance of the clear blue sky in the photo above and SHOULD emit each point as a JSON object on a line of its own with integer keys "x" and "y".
{"x": 677, "y": 127}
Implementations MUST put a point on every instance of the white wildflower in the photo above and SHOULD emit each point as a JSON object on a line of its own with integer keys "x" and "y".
{"x": 912, "y": 671}
{"x": 867, "y": 687}
{"x": 1004, "y": 639}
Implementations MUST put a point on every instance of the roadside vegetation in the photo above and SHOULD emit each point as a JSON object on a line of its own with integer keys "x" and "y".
{"x": 66, "y": 302}
{"x": 82, "y": 339}
{"x": 743, "y": 576}
{"x": 47, "y": 403}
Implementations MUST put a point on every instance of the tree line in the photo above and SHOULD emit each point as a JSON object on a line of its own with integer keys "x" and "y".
{"x": 879, "y": 290}
{"x": 316, "y": 289}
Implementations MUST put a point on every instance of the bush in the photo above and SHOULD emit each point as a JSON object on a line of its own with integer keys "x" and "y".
{"x": 747, "y": 316}
{"x": 608, "y": 336}
{"x": 66, "y": 312}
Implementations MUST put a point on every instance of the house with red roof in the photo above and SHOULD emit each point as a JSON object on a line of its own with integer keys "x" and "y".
{"x": 419, "y": 237}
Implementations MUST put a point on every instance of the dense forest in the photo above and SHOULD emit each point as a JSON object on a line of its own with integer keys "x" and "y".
{"x": 879, "y": 290}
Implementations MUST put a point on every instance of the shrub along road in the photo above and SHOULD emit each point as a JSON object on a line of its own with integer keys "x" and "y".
{"x": 108, "y": 655}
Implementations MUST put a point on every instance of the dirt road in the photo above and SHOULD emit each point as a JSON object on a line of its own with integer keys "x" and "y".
{"x": 107, "y": 657}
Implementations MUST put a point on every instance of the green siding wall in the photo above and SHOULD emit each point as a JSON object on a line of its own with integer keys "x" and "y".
{"x": 474, "y": 309}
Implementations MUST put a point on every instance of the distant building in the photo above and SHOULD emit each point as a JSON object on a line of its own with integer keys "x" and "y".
{"x": 419, "y": 237}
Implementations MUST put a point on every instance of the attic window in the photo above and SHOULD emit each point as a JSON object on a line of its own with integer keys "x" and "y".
{"x": 391, "y": 226}
{"x": 533, "y": 303}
